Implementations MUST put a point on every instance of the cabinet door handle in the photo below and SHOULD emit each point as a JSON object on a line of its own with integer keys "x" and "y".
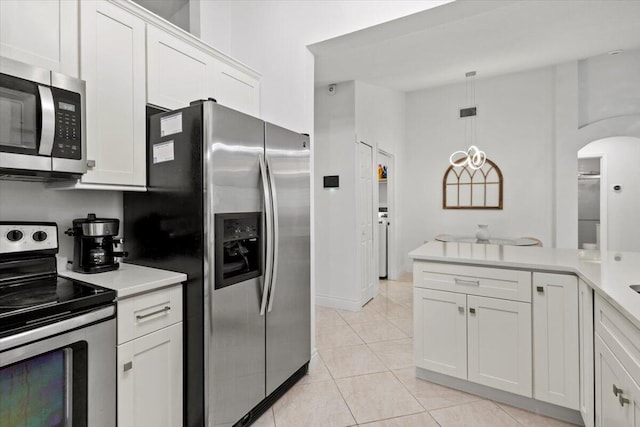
{"x": 472, "y": 310}
{"x": 162, "y": 310}
{"x": 616, "y": 390}
{"x": 623, "y": 400}
{"x": 128, "y": 366}
{"x": 540, "y": 289}
{"x": 466, "y": 282}
{"x": 461, "y": 309}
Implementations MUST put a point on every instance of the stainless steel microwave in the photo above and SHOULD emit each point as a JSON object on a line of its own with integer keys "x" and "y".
{"x": 42, "y": 123}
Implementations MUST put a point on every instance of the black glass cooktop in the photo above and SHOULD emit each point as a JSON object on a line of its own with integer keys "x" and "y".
{"x": 31, "y": 302}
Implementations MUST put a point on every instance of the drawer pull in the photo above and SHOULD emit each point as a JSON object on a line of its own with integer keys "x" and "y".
{"x": 472, "y": 310}
{"x": 623, "y": 400}
{"x": 162, "y": 310}
{"x": 128, "y": 366}
{"x": 540, "y": 289}
{"x": 616, "y": 390}
{"x": 466, "y": 282}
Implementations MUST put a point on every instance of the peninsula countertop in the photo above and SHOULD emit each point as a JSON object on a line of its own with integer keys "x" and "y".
{"x": 609, "y": 273}
{"x": 129, "y": 279}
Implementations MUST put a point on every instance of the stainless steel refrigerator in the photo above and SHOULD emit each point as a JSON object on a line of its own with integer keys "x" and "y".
{"x": 228, "y": 203}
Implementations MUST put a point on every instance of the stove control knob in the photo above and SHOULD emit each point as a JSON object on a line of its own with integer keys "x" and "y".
{"x": 40, "y": 236}
{"x": 14, "y": 235}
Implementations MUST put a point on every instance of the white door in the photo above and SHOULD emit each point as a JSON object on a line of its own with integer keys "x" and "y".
{"x": 150, "y": 379}
{"x": 499, "y": 344}
{"x": 177, "y": 72}
{"x": 555, "y": 339}
{"x": 612, "y": 387}
{"x": 440, "y": 325}
{"x": 365, "y": 222}
{"x": 41, "y": 32}
{"x": 585, "y": 311}
{"x": 112, "y": 61}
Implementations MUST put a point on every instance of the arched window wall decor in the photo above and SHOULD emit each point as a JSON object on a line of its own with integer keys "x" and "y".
{"x": 467, "y": 188}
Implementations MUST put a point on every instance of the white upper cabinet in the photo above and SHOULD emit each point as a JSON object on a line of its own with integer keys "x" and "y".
{"x": 556, "y": 339}
{"x": 236, "y": 89}
{"x": 112, "y": 62}
{"x": 177, "y": 72}
{"x": 41, "y": 32}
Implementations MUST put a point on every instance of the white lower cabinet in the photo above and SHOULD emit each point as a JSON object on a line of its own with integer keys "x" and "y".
{"x": 441, "y": 345}
{"x": 484, "y": 340}
{"x": 150, "y": 379}
{"x": 149, "y": 370}
{"x": 499, "y": 344}
{"x": 585, "y": 313}
{"x": 556, "y": 339}
{"x": 617, "y": 395}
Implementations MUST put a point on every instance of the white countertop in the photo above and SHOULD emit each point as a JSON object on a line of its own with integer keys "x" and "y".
{"x": 129, "y": 279}
{"x": 608, "y": 273}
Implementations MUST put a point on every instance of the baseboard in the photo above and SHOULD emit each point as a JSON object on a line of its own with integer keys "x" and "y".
{"x": 338, "y": 303}
{"x": 526, "y": 403}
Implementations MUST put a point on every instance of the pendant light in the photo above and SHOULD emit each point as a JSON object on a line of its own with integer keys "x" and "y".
{"x": 473, "y": 157}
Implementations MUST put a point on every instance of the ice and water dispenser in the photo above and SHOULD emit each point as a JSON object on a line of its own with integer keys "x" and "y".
{"x": 238, "y": 248}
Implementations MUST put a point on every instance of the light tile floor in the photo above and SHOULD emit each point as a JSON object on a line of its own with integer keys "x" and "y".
{"x": 365, "y": 375}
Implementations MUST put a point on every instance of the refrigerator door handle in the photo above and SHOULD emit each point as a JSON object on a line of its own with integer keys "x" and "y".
{"x": 268, "y": 207}
{"x": 276, "y": 233}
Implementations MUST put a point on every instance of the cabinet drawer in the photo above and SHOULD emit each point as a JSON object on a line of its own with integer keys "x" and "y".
{"x": 146, "y": 313}
{"x": 483, "y": 281}
{"x": 619, "y": 334}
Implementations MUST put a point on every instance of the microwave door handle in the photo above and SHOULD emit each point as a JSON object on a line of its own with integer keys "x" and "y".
{"x": 48, "y": 121}
{"x": 269, "y": 234}
{"x": 276, "y": 233}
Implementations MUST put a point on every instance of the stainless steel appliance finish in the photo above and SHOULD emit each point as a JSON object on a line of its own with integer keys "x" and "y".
{"x": 247, "y": 327}
{"x": 97, "y": 330}
{"x": 288, "y": 314}
{"x": 42, "y": 131}
{"x": 64, "y": 328}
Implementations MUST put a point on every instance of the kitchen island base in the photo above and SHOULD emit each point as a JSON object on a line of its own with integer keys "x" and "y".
{"x": 528, "y": 404}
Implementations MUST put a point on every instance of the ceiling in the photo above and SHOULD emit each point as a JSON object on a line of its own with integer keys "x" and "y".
{"x": 437, "y": 46}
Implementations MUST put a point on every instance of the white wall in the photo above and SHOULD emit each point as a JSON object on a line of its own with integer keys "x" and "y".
{"x": 356, "y": 112}
{"x": 515, "y": 127}
{"x": 335, "y": 209}
{"x": 31, "y": 201}
{"x": 271, "y": 36}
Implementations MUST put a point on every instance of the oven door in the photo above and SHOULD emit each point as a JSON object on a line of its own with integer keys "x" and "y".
{"x": 27, "y": 117}
{"x": 61, "y": 374}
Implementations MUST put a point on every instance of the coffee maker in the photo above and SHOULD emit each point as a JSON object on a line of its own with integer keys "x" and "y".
{"x": 94, "y": 244}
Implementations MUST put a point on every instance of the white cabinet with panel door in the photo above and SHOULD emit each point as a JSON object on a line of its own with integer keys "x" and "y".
{"x": 149, "y": 370}
{"x": 177, "y": 71}
{"x": 112, "y": 61}
{"x": 499, "y": 344}
{"x": 585, "y": 313}
{"x": 555, "y": 339}
{"x": 441, "y": 344}
{"x": 617, "y": 394}
{"x": 474, "y": 333}
{"x": 236, "y": 88}
{"x": 43, "y": 33}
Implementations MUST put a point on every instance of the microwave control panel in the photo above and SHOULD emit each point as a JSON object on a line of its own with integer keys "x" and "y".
{"x": 67, "y": 143}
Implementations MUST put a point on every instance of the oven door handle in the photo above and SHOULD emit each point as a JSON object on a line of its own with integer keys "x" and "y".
{"x": 50, "y": 330}
{"x": 47, "y": 107}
